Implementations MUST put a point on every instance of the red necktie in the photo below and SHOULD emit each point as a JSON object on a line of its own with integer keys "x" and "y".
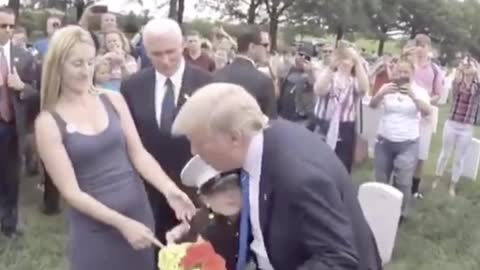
{"x": 5, "y": 105}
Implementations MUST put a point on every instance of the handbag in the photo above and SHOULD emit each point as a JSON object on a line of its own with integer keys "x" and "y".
{"x": 320, "y": 125}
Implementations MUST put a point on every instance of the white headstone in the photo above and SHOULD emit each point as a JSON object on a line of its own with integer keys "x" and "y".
{"x": 472, "y": 160}
{"x": 381, "y": 205}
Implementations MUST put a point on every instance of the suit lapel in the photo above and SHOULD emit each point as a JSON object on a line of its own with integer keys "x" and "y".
{"x": 187, "y": 87}
{"x": 149, "y": 99}
{"x": 266, "y": 193}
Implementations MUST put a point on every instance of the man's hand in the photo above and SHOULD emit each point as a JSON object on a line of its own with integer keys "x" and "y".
{"x": 14, "y": 81}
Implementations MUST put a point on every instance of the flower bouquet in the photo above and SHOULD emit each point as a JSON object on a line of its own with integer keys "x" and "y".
{"x": 190, "y": 256}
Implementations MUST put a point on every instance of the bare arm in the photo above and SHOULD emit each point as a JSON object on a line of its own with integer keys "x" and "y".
{"x": 58, "y": 165}
{"x": 143, "y": 161}
{"x": 378, "y": 98}
{"x": 323, "y": 81}
{"x": 362, "y": 77}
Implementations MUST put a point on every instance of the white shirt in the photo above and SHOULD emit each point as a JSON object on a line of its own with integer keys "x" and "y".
{"x": 401, "y": 118}
{"x": 253, "y": 165}
{"x": 160, "y": 89}
{"x": 6, "y": 52}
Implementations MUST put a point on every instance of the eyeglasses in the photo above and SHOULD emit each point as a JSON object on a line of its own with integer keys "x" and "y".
{"x": 55, "y": 25}
{"x": 6, "y": 25}
{"x": 327, "y": 51}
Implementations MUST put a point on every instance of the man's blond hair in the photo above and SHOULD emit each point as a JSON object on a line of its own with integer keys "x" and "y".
{"x": 220, "y": 107}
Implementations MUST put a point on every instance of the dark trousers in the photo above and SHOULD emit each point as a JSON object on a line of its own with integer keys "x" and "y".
{"x": 9, "y": 177}
{"x": 346, "y": 146}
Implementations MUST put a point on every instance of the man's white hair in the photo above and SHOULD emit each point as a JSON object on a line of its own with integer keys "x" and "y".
{"x": 222, "y": 108}
{"x": 162, "y": 26}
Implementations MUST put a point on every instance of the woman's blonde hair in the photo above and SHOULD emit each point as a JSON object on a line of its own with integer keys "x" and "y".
{"x": 60, "y": 45}
{"x": 123, "y": 38}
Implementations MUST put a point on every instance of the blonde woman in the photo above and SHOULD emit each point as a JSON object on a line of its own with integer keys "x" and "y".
{"x": 117, "y": 53}
{"x": 90, "y": 147}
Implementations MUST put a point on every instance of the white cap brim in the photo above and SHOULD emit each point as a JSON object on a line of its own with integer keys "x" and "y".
{"x": 197, "y": 172}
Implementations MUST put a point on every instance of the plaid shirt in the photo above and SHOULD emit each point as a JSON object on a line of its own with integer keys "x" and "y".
{"x": 466, "y": 102}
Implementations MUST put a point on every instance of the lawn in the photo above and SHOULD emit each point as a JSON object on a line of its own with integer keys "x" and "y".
{"x": 442, "y": 233}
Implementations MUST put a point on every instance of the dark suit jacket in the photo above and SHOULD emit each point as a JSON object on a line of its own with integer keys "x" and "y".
{"x": 172, "y": 153}
{"x": 25, "y": 105}
{"x": 244, "y": 73}
{"x": 309, "y": 212}
{"x": 222, "y": 232}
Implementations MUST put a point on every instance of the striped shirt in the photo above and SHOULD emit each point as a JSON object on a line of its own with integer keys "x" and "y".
{"x": 337, "y": 90}
{"x": 466, "y": 102}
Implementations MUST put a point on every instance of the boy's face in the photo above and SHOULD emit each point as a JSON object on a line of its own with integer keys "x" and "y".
{"x": 102, "y": 74}
{"x": 227, "y": 203}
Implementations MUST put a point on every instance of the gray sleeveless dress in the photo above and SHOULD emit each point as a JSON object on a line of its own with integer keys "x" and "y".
{"x": 104, "y": 171}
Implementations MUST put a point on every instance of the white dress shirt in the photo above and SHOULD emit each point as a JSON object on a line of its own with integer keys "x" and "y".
{"x": 160, "y": 89}
{"x": 7, "y": 52}
{"x": 253, "y": 165}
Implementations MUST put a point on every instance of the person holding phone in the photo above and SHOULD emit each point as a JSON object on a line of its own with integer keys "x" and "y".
{"x": 296, "y": 101}
{"x": 41, "y": 46}
{"x": 458, "y": 129}
{"x": 396, "y": 148}
{"x": 340, "y": 87}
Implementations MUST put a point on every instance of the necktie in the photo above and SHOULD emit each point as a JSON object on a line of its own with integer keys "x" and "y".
{"x": 5, "y": 106}
{"x": 168, "y": 107}
{"x": 244, "y": 223}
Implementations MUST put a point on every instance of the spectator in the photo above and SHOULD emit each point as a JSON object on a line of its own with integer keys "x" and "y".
{"x": 52, "y": 25}
{"x": 194, "y": 55}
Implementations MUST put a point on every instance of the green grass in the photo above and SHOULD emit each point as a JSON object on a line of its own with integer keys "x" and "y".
{"x": 442, "y": 234}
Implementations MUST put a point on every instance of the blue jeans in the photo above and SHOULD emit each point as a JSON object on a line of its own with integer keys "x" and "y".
{"x": 398, "y": 157}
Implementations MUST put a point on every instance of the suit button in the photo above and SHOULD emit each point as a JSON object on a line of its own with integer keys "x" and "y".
{"x": 237, "y": 234}
{"x": 265, "y": 197}
{"x": 236, "y": 256}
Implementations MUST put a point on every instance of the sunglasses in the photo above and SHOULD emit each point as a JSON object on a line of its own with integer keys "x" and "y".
{"x": 55, "y": 25}
{"x": 266, "y": 45}
{"x": 327, "y": 51}
{"x": 6, "y": 25}
{"x": 304, "y": 56}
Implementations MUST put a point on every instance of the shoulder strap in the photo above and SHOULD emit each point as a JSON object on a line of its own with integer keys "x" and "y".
{"x": 61, "y": 124}
{"x": 108, "y": 104}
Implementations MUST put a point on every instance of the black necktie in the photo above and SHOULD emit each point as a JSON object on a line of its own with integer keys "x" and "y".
{"x": 168, "y": 107}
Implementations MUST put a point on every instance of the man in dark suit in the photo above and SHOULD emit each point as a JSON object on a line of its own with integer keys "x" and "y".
{"x": 299, "y": 199}
{"x": 17, "y": 99}
{"x": 243, "y": 70}
{"x": 154, "y": 96}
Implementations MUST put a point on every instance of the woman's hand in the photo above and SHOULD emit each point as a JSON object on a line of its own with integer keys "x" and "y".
{"x": 138, "y": 235}
{"x": 180, "y": 203}
{"x": 177, "y": 232}
{"x": 388, "y": 88}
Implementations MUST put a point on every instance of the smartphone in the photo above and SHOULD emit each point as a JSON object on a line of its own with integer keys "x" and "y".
{"x": 99, "y": 9}
{"x": 401, "y": 81}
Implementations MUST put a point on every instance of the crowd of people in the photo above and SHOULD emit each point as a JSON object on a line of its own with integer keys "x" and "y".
{"x": 138, "y": 134}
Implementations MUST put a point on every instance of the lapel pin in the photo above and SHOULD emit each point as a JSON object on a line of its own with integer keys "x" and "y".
{"x": 265, "y": 197}
{"x": 186, "y": 96}
{"x": 15, "y": 59}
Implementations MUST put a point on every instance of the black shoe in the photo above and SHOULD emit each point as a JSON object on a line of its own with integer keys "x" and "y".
{"x": 12, "y": 233}
{"x": 51, "y": 210}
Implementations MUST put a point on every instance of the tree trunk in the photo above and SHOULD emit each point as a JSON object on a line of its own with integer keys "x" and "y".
{"x": 251, "y": 12}
{"x": 181, "y": 9}
{"x": 339, "y": 33}
{"x": 381, "y": 42}
{"x": 15, "y": 5}
{"x": 273, "y": 31}
{"x": 172, "y": 12}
